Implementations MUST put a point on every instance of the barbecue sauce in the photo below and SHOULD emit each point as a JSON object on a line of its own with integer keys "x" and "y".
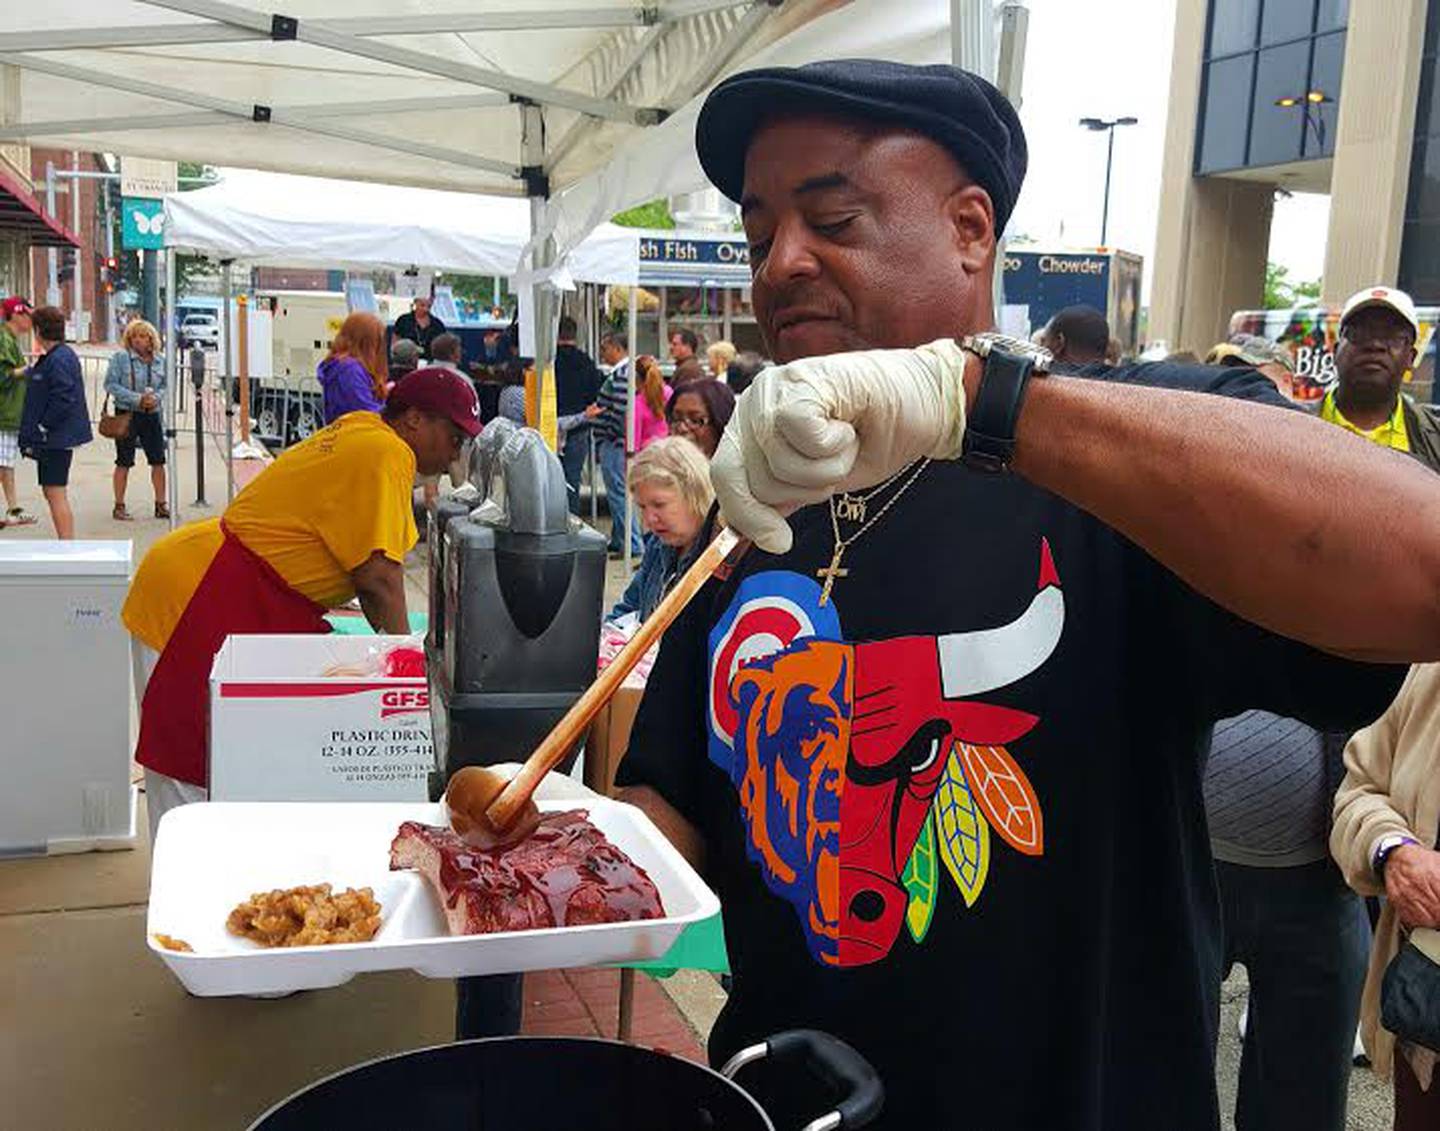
{"x": 565, "y": 856}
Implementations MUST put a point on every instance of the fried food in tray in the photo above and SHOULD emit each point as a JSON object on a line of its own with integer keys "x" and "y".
{"x": 307, "y": 916}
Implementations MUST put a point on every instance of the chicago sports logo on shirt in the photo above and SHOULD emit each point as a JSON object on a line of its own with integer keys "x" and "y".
{"x": 861, "y": 768}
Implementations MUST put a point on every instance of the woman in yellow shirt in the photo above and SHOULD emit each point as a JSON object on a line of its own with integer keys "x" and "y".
{"x": 329, "y": 520}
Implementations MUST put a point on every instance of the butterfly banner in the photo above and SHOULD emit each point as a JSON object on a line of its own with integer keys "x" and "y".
{"x": 142, "y": 223}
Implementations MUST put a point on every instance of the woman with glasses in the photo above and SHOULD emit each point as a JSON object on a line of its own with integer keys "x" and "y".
{"x": 699, "y": 412}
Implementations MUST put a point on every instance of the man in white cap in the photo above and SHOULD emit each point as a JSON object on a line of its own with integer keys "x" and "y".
{"x": 1378, "y": 335}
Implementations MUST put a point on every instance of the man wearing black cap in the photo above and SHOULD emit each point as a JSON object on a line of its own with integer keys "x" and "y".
{"x": 925, "y": 735}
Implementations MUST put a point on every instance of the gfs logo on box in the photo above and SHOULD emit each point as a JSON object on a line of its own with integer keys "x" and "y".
{"x": 394, "y": 703}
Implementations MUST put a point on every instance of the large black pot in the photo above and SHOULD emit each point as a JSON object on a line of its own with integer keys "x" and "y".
{"x": 565, "y": 1083}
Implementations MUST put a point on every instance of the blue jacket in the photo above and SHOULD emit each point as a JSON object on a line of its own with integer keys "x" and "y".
{"x": 647, "y": 587}
{"x": 127, "y": 377}
{"x": 55, "y": 414}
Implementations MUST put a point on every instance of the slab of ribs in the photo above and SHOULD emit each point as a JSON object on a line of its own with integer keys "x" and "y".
{"x": 566, "y": 874}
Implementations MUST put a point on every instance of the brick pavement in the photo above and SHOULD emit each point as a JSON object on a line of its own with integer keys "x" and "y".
{"x": 586, "y": 1002}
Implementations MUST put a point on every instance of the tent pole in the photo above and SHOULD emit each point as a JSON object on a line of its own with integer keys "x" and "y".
{"x": 630, "y": 421}
{"x": 172, "y": 358}
{"x": 226, "y": 330}
{"x": 973, "y": 46}
{"x": 544, "y": 301}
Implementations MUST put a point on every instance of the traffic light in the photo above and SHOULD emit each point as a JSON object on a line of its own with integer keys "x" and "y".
{"x": 110, "y": 274}
{"x": 66, "y": 270}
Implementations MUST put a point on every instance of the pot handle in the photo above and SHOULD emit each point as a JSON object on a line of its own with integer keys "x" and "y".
{"x": 834, "y": 1062}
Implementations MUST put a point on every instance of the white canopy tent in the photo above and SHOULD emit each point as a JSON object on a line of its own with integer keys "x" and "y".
{"x": 515, "y": 97}
{"x": 279, "y": 219}
{"x": 434, "y": 93}
{"x": 519, "y": 97}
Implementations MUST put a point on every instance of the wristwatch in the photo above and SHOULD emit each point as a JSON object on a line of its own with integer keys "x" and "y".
{"x": 989, "y": 441}
{"x": 1386, "y": 845}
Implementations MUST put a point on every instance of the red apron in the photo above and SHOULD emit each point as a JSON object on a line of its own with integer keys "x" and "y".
{"x": 240, "y": 593}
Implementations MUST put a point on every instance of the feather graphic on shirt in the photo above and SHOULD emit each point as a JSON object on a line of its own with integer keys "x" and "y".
{"x": 1005, "y": 795}
{"x": 919, "y": 881}
{"x": 964, "y": 834}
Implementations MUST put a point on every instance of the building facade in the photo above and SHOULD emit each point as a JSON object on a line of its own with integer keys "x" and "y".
{"x": 24, "y": 224}
{"x": 1272, "y": 96}
{"x": 77, "y": 286}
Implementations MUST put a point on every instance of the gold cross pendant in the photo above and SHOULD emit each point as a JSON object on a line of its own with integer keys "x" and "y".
{"x": 830, "y": 573}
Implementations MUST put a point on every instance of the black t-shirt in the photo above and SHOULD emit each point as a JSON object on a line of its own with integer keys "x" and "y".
{"x": 955, "y": 817}
{"x": 577, "y": 380}
{"x": 406, "y": 326}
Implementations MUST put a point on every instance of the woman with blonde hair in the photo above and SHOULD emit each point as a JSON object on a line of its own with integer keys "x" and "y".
{"x": 720, "y": 355}
{"x": 670, "y": 482}
{"x": 135, "y": 382}
{"x": 354, "y": 374}
{"x": 652, "y": 394}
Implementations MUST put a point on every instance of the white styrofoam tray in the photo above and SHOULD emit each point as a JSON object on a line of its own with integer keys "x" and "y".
{"x": 211, "y": 856}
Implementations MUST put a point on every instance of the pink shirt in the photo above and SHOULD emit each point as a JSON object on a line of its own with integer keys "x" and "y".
{"x": 648, "y": 426}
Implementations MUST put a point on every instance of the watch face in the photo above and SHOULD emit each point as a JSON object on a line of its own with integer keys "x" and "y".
{"x": 983, "y": 344}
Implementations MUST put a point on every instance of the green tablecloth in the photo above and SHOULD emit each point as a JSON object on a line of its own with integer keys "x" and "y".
{"x": 701, "y": 946}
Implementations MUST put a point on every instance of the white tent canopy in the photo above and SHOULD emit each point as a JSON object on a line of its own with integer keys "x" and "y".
{"x": 284, "y": 220}
{"x": 661, "y": 162}
{"x": 505, "y": 97}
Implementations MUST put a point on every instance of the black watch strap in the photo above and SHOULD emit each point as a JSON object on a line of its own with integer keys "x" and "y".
{"x": 989, "y": 443}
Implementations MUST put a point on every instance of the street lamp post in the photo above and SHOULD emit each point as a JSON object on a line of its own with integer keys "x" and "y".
{"x": 1098, "y": 124}
{"x": 1314, "y": 122}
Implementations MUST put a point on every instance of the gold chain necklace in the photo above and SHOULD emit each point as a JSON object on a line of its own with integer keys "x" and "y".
{"x": 851, "y": 508}
{"x": 833, "y": 570}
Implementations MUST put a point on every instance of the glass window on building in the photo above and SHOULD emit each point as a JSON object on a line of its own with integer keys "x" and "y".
{"x": 1420, "y": 261}
{"x": 1332, "y": 14}
{"x": 1420, "y": 246}
{"x": 1423, "y": 202}
{"x": 1275, "y": 130}
{"x": 1227, "y": 104}
{"x": 1233, "y": 25}
{"x": 1326, "y": 68}
{"x": 1284, "y": 20}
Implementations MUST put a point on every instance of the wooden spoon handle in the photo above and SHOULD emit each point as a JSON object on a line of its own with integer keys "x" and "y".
{"x": 568, "y": 730}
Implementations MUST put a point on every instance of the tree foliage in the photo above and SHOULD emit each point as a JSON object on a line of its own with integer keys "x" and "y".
{"x": 653, "y": 214}
{"x": 1281, "y": 293}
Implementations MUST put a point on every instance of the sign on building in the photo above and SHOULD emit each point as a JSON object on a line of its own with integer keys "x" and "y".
{"x": 142, "y": 223}
{"x": 146, "y": 178}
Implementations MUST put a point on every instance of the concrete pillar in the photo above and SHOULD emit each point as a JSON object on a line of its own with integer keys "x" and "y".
{"x": 1376, "y": 127}
{"x": 1228, "y": 245}
{"x": 1172, "y": 229}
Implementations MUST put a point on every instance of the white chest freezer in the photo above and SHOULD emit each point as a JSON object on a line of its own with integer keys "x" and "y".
{"x": 65, "y": 698}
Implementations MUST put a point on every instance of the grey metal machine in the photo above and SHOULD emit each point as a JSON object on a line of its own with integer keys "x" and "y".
{"x": 517, "y": 588}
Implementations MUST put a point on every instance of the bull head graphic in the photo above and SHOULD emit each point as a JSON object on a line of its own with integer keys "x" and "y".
{"x": 840, "y": 748}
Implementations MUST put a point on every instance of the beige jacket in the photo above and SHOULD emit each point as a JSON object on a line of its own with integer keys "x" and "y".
{"x": 1392, "y": 785}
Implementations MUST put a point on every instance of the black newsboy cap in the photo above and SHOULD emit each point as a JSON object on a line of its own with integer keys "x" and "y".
{"x": 960, "y": 111}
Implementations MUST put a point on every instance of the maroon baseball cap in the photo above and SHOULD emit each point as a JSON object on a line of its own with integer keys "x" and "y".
{"x": 442, "y": 392}
{"x": 14, "y": 305}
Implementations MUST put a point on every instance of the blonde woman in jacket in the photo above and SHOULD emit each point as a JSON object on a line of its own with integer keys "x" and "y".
{"x": 1386, "y": 815}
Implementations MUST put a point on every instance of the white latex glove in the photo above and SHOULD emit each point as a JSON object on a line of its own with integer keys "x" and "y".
{"x": 843, "y": 422}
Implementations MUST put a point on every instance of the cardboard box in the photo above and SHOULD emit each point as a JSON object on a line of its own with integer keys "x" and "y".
{"x": 608, "y": 737}
{"x": 280, "y": 730}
